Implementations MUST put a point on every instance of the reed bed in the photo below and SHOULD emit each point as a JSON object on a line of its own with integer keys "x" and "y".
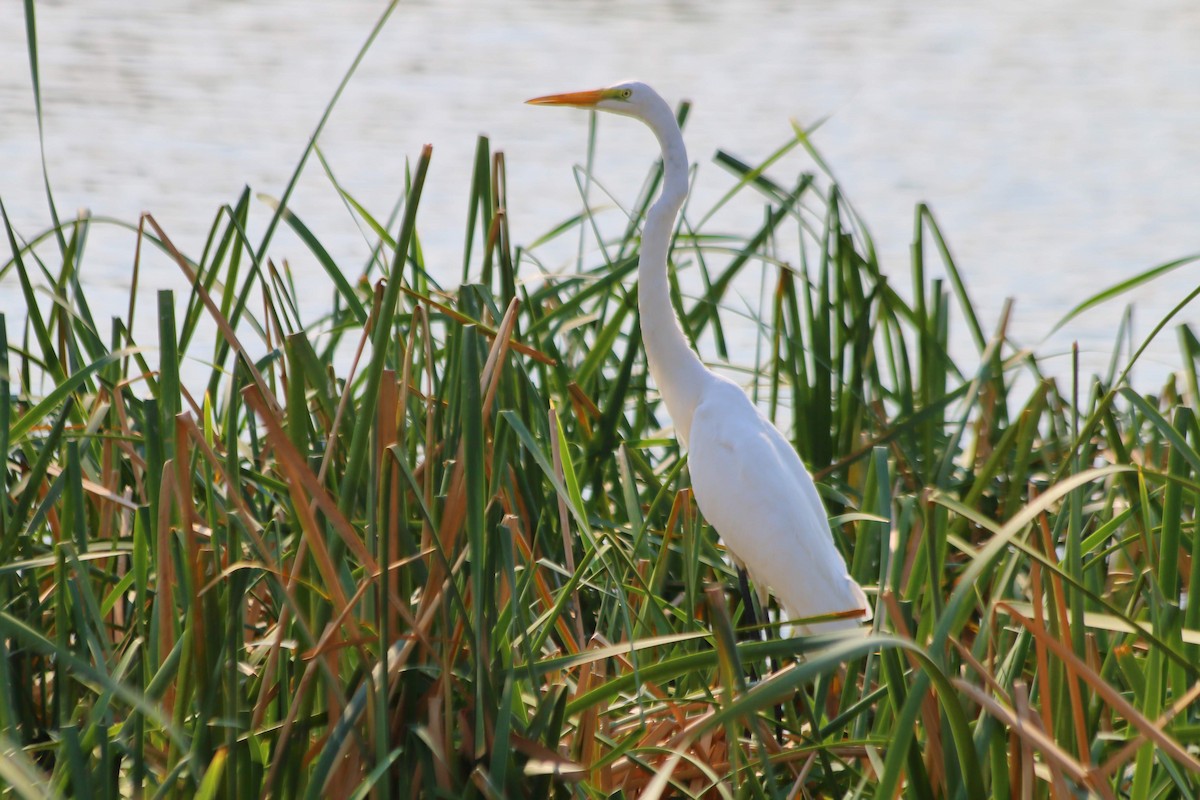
{"x": 439, "y": 543}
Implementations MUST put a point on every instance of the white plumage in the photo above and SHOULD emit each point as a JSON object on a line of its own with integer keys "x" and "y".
{"x": 748, "y": 481}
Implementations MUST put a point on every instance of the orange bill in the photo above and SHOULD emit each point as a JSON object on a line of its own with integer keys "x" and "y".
{"x": 581, "y": 99}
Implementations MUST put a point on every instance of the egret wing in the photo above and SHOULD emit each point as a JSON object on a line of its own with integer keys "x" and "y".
{"x": 752, "y": 487}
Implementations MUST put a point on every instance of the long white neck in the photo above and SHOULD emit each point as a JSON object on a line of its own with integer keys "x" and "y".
{"x": 676, "y": 369}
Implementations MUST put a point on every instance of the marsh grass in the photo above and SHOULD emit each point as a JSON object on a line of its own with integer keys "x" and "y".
{"x": 464, "y": 560}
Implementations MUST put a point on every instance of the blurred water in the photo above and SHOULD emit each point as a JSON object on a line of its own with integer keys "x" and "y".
{"x": 1056, "y": 143}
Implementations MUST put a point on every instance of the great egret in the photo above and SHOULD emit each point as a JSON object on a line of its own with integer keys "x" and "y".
{"x": 748, "y": 481}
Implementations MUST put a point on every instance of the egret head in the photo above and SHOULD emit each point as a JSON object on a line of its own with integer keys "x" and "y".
{"x": 629, "y": 98}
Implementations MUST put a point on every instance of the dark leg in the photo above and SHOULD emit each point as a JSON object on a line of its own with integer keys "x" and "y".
{"x": 749, "y": 616}
{"x": 750, "y": 620}
{"x": 749, "y": 613}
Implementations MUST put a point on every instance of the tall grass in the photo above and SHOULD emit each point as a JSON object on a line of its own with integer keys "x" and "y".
{"x": 464, "y": 561}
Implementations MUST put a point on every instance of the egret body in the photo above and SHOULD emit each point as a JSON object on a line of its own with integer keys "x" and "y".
{"x": 748, "y": 480}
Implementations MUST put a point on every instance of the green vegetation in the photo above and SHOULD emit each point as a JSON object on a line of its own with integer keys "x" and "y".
{"x": 437, "y": 543}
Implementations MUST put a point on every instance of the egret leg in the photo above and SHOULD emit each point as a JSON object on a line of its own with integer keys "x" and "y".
{"x": 750, "y": 617}
{"x": 749, "y": 610}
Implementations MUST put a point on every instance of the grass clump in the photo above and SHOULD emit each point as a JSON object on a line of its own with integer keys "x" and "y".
{"x": 437, "y": 543}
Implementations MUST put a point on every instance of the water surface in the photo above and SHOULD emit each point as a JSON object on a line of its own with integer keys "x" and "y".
{"x": 1056, "y": 143}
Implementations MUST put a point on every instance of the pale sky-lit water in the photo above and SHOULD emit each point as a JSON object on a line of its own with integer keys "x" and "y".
{"x": 1057, "y": 143}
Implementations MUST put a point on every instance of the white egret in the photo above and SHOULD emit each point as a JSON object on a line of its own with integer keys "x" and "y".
{"x": 748, "y": 481}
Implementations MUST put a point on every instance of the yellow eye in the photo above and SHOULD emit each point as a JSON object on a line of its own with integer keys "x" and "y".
{"x": 626, "y": 94}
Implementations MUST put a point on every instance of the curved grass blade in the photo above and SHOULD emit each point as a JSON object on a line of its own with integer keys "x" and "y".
{"x": 1122, "y": 287}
